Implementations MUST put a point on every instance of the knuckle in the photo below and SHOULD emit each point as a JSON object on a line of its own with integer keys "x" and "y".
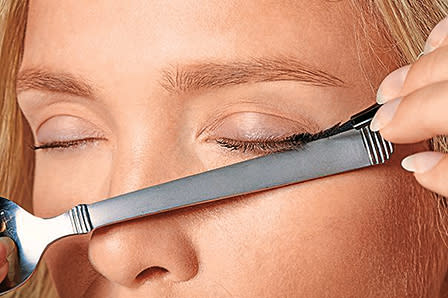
{"x": 427, "y": 108}
{"x": 432, "y": 67}
{"x": 428, "y": 69}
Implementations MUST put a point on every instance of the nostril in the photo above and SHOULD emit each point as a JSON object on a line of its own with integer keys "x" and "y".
{"x": 154, "y": 272}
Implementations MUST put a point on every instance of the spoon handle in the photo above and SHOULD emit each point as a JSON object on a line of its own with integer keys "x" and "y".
{"x": 352, "y": 149}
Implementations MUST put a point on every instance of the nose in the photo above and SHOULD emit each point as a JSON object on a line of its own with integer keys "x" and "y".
{"x": 143, "y": 250}
{"x": 146, "y": 249}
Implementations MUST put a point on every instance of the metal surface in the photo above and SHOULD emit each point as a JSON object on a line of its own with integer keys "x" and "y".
{"x": 345, "y": 151}
{"x": 31, "y": 235}
{"x": 352, "y": 149}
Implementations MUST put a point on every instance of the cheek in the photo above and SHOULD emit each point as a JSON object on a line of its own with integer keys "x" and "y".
{"x": 62, "y": 181}
{"x": 346, "y": 233}
{"x": 328, "y": 233}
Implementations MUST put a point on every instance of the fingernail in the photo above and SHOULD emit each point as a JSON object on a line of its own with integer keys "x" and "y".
{"x": 391, "y": 86}
{"x": 384, "y": 114}
{"x": 437, "y": 36}
{"x": 421, "y": 162}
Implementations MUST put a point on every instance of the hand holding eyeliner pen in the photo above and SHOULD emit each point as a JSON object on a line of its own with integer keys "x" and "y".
{"x": 351, "y": 145}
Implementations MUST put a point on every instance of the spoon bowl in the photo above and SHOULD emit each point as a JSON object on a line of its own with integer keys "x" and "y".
{"x": 31, "y": 236}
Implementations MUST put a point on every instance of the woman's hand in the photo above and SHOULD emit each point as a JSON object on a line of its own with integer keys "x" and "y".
{"x": 415, "y": 99}
{"x": 7, "y": 249}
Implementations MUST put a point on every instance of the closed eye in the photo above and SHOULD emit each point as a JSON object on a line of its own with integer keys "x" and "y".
{"x": 63, "y": 145}
{"x": 275, "y": 144}
{"x": 265, "y": 145}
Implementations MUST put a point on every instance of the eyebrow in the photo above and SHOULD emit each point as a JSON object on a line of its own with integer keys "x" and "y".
{"x": 58, "y": 82}
{"x": 186, "y": 78}
{"x": 193, "y": 77}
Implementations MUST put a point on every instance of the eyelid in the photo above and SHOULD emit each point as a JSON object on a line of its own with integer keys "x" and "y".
{"x": 66, "y": 127}
{"x": 275, "y": 144}
{"x": 248, "y": 125}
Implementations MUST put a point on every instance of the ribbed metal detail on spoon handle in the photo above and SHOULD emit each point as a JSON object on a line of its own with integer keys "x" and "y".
{"x": 80, "y": 219}
{"x": 379, "y": 149}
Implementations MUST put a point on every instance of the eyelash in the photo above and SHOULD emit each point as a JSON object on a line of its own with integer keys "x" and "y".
{"x": 260, "y": 145}
{"x": 66, "y": 144}
{"x": 273, "y": 144}
{"x": 266, "y": 145}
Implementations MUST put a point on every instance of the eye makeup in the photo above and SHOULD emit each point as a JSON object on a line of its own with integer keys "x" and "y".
{"x": 276, "y": 144}
{"x": 258, "y": 133}
{"x": 64, "y": 131}
{"x": 259, "y": 145}
{"x": 66, "y": 144}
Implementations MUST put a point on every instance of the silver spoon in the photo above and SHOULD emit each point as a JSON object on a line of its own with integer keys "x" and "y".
{"x": 352, "y": 146}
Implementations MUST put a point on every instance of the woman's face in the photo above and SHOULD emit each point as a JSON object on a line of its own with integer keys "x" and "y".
{"x": 153, "y": 86}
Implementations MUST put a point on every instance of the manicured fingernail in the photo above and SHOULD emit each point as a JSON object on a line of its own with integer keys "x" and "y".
{"x": 9, "y": 244}
{"x": 384, "y": 114}
{"x": 421, "y": 162}
{"x": 437, "y": 36}
{"x": 391, "y": 86}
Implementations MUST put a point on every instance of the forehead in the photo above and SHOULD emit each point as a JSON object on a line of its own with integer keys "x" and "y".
{"x": 106, "y": 41}
{"x": 142, "y": 33}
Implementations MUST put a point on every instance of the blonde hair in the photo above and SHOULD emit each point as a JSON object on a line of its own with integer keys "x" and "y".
{"x": 404, "y": 23}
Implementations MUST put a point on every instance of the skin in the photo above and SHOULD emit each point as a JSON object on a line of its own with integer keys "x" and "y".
{"x": 356, "y": 234}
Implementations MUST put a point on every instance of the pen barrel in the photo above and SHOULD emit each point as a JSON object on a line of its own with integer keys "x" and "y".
{"x": 363, "y": 118}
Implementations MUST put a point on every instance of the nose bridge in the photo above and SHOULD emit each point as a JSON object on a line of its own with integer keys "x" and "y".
{"x": 141, "y": 160}
{"x": 148, "y": 148}
{"x": 134, "y": 170}
{"x": 131, "y": 171}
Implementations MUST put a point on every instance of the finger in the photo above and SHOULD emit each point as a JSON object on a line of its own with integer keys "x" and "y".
{"x": 430, "y": 169}
{"x": 430, "y": 68}
{"x": 416, "y": 117}
{"x": 437, "y": 37}
{"x": 7, "y": 247}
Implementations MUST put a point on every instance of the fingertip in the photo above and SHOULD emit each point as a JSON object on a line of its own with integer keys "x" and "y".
{"x": 429, "y": 169}
{"x": 392, "y": 85}
{"x": 421, "y": 162}
{"x": 380, "y": 99}
{"x": 437, "y": 36}
{"x": 385, "y": 114}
